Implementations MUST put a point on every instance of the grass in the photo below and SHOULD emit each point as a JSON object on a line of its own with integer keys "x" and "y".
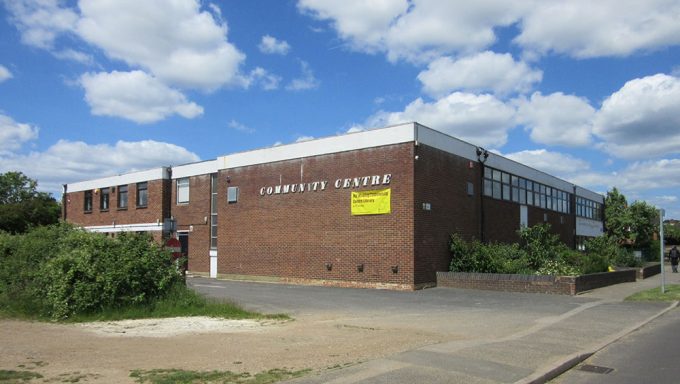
{"x": 178, "y": 376}
{"x": 672, "y": 294}
{"x": 9, "y": 376}
{"x": 180, "y": 301}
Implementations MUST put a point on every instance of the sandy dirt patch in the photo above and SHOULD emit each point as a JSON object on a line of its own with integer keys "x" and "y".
{"x": 106, "y": 352}
{"x": 171, "y": 326}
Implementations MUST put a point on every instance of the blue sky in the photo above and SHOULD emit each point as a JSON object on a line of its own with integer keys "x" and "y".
{"x": 588, "y": 91}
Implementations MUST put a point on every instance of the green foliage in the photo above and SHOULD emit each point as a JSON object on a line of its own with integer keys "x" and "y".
{"x": 539, "y": 251}
{"x": 92, "y": 272}
{"x": 671, "y": 232}
{"x": 59, "y": 271}
{"x": 633, "y": 225}
{"x": 163, "y": 376}
{"x": 22, "y": 206}
{"x": 540, "y": 245}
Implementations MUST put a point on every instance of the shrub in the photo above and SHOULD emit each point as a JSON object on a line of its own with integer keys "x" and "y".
{"x": 558, "y": 268}
{"x": 93, "y": 272}
{"x": 59, "y": 271}
{"x": 540, "y": 245}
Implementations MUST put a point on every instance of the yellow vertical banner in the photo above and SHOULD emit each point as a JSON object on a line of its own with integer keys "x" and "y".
{"x": 376, "y": 202}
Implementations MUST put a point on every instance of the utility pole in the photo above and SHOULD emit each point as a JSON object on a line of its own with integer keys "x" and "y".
{"x": 663, "y": 276}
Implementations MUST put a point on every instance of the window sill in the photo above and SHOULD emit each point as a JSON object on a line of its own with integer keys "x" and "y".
{"x": 87, "y": 212}
{"x": 141, "y": 207}
{"x": 121, "y": 209}
{"x": 103, "y": 210}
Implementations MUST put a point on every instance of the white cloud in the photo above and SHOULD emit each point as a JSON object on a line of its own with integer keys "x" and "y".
{"x": 70, "y": 161}
{"x": 77, "y": 56}
{"x": 362, "y": 23}
{"x": 423, "y": 30}
{"x": 586, "y": 29}
{"x": 135, "y": 96}
{"x": 272, "y": 45}
{"x": 176, "y": 41}
{"x": 304, "y": 138}
{"x": 306, "y": 81}
{"x": 13, "y": 134}
{"x": 267, "y": 81}
{"x": 480, "y": 119}
{"x": 556, "y": 119}
{"x": 233, "y": 124}
{"x": 485, "y": 71}
{"x": 40, "y": 22}
{"x": 5, "y": 74}
{"x": 555, "y": 163}
{"x": 642, "y": 119}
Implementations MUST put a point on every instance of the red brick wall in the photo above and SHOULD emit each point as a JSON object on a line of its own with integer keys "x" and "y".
{"x": 296, "y": 235}
{"x": 156, "y": 209}
{"x": 441, "y": 180}
{"x": 191, "y": 217}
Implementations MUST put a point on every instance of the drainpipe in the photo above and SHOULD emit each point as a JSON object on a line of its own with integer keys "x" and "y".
{"x": 482, "y": 155}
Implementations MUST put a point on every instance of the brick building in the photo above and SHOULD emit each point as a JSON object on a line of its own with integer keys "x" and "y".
{"x": 366, "y": 209}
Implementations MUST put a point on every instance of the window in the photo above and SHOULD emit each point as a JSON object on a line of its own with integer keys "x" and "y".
{"x": 104, "y": 199}
{"x": 122, "y": 196}
{"x": 142, "y": 194}
{"x": 232, "y": 195}
{"x": 505, "y": 186}
{"x": 588, "y": 209}
{"x": 87, "y": 204}
{"x": 183, "y": 190}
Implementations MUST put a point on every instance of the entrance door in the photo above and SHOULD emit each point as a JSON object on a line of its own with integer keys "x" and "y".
{"x": 184, "y": 242}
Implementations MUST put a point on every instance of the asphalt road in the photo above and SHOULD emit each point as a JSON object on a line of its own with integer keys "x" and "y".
{"x": 649, "y": 355}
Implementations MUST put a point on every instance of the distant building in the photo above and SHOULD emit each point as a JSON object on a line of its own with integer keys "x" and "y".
{"x": 366, "y": 209}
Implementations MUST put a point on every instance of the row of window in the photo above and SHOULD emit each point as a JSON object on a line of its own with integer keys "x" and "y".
{"x": 122, "y": 196}
{"x": 588, "y": 209}
{"x": 505, "y": 186}
{"x": 183, "y": 191}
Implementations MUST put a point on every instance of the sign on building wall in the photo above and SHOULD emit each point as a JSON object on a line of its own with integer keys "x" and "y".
{"x": 376, "y": 202}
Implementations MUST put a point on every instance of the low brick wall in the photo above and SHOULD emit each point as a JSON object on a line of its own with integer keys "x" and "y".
{"x": 558, "y": 285}
{"x": 648, "y": 271}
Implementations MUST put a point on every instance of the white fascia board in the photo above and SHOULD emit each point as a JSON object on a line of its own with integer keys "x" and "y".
{"x": 195, "y": 169}
{"x": 349, "y": 142}
{"x": 128, "y": 178}
{"x": 590, "y": 195}
{"x": 588, "y": 227}
{"x": 141, "y": 227}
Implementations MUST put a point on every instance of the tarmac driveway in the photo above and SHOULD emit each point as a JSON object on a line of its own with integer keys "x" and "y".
{"x": 481, "y": 336}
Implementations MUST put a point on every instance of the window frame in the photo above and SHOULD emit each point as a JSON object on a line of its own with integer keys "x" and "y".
{"x": 143, "y": 186}
{"x": 182, "y": 184}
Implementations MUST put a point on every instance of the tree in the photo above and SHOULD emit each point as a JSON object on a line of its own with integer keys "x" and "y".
{"x": 629, "y": 225}
{"x": 617, "y": 217}
{"x": 22, "y": 206}
{"x": 671, "y": 232}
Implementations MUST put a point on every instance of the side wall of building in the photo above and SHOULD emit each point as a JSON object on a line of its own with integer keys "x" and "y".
{"x": 442, "y": 207}
{"x": 313, "y": 235}
{"x": 193, "y": 218}
{"x": 157, "y": 208}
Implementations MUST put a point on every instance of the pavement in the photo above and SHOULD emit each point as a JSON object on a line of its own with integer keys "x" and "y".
{"x": 494, "y": 337}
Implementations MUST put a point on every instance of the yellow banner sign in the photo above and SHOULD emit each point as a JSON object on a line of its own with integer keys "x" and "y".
{"x": 376, "y": 202}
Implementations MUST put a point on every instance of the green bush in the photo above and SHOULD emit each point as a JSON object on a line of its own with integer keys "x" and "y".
{"x": 59, "y": 271}
{"x": 539, "y": 251}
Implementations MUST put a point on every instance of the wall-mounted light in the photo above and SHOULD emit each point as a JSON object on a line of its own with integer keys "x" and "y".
{"x": 360, "y": 267}
{"x": 329, "y": 266}
{"x": 395, "y": 269}
{"x": 228, "y": 179}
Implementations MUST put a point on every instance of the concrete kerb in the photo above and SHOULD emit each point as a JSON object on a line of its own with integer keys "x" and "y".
{"x": 554, "y": 370}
